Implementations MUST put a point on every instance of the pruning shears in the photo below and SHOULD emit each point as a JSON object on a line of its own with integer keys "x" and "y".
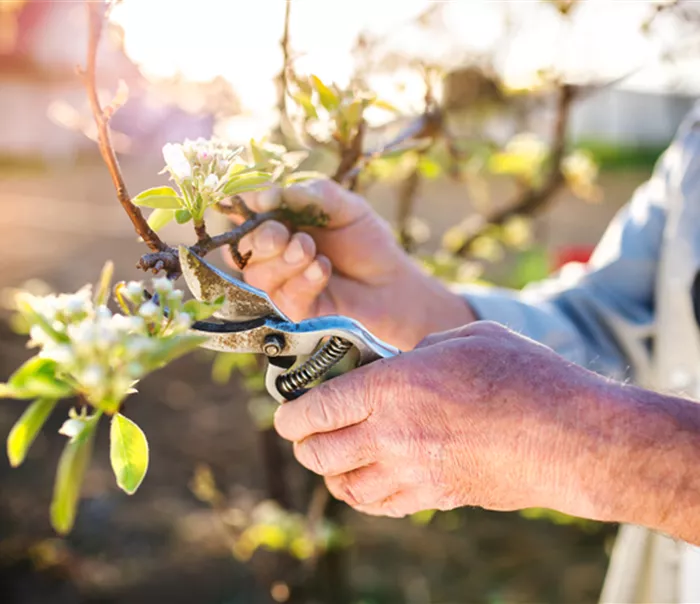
{"x": 298, "y": 354}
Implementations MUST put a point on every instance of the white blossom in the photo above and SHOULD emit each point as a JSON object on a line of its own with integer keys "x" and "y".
{"x": 137, "y": 346}
{"x": 149, "y": 310}
{"x": 182, "y": 322}
{"x": 92, "y": 376}
{"x": 128, "y": 324}
{"x": 72, "y": 427}
{"x": 211, "y": 182}
{"x": 134, "y": 289}
{"x": 40, "y": 337}
{"x": 176, "y": 161}
{"x": 163, "y": 285}
{"x": 61, "y": 353}
{"x": 103, "y": 312}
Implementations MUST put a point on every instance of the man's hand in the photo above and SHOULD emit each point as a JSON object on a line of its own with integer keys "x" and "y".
{"x": 353, "y": 267}
{"x": 481, "y": 416}
{"x": 478, "y": 416}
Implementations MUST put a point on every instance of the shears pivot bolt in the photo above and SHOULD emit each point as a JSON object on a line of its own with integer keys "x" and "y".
{"x": 273, "y": 345}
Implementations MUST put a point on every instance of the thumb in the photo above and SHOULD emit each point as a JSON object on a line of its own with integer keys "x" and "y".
{"x": 343, "y": 207}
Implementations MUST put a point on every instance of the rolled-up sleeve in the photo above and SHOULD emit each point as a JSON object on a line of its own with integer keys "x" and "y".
{"x": 601, "y": 314}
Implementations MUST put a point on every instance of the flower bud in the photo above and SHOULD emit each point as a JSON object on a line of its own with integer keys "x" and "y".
{"x": 163, "y": 285}
{"x": 134, "y": 290}
{"x": 92, "y": 376}
{"x": 149, "y": 310}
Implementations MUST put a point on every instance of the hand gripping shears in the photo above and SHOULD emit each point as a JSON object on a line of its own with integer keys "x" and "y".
{"x": 298, "y": 354}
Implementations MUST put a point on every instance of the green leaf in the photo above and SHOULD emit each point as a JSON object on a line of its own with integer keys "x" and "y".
{"x": 69, "y": 476}
{"x": 173, "y": 347}
{"x": 162, "y": 198}
{"x": 25, "y": 307}
{"x": 379, "y": 104}
{"x": 128, "y": 452}
{"x": 225, "y": 362}
{"x": 183, "y": 216}
{"x": 249, "y": 181}
{"x": 328, "y": 98}
{"x": 200, "y": 310}
{"x": 36, "y": 379}
{"x": 304, "y": 175}
{"x": 105, "y": 284}
{"x": 429, "y": 168}
{"x": 159, "y": 218}
{"x": 353, "y": 113}
{"x": 305, "y": 102}
{"x": 26, "y": 429}
{"x": 259, "y": 156}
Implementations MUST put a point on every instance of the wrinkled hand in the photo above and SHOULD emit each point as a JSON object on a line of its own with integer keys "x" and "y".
{"x": 352, "y": 267}
{"x": 477, "y": 416}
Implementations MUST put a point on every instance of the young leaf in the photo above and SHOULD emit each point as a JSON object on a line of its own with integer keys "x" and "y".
{"x": 353, "y": 113}
{"x": 304, "y": 175}
{"x": 36, "y": 379}
{"x": 105, "y": 284}
{"x": 159, "y": 218}
{"x": 26, "y": 429}
{"x": 69, "y": 476}
{"x": 128, "y": 452}
{"x": 183, "y": 216}
{"x": 172, "y": 347}
{"x": 259, "y": 155}
{"x": 250, "y": 181}
{"x": 304, "y": 101}
{"x": 199, "y": 310}
{"x": 379, "y": 104}
{"x": 162, "y": 198}
{"x": 328, "y": 98}
{"x": 24, "y": 306}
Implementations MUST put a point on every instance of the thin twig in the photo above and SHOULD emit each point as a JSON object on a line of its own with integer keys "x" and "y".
{"x": 533, "y": 200}
{"x": 350, "y": 156}
{"x": 149, "y": 236}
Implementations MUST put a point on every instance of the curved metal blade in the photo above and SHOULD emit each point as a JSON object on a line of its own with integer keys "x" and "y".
{"x": 207, "y": 283}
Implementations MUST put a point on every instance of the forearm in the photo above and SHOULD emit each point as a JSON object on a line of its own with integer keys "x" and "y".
{"x": 638, "y": 461}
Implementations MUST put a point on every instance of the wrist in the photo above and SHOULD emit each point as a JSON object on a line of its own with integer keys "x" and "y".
{"x": 435, "y": 307}
{"x": 635, "y": 460}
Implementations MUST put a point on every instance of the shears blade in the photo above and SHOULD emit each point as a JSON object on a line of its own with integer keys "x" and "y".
{"x": 242, "y": 302}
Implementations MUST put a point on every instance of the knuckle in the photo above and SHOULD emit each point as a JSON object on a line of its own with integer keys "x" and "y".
{"x": 319, "y": 416}
{"x": 487, "y": 328}
{"x": 312, "y": 456}
{"x": 349, "y": 488}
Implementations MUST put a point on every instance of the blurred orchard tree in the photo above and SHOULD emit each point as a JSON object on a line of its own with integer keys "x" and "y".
{"x": 94, "y": 356}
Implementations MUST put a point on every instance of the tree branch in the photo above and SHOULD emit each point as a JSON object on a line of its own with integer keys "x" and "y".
{"x": 96, "y": 19}
{"x": 533, "y": 200}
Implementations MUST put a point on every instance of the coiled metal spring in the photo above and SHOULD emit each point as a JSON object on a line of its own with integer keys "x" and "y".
{"x": 315, "y": 367}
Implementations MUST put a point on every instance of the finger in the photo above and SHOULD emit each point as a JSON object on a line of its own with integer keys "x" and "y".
{"x": 363, "y": 486}
{"x": 396, "y": 505}
{"x": 487, "y": 329}
{"x": 271, "y": 273}
{"x": 330, "y": 406}
{"x": 342, "y": 207}
{"x": 267, "y": 241}
{"x": 263, "y": 201}
{"x": 337, "y": 452}
{"x": 299, "y": 295}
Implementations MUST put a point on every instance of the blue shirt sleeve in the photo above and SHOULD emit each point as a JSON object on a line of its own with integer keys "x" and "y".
{"x": 601, "y": 314}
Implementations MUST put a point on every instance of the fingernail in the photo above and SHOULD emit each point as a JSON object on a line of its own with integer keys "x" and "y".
{"x": 314, "y": 272}
{"x": 268, "y": 199}
{"x": 265, "y": 240}
{"x": 294, "y": 253}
